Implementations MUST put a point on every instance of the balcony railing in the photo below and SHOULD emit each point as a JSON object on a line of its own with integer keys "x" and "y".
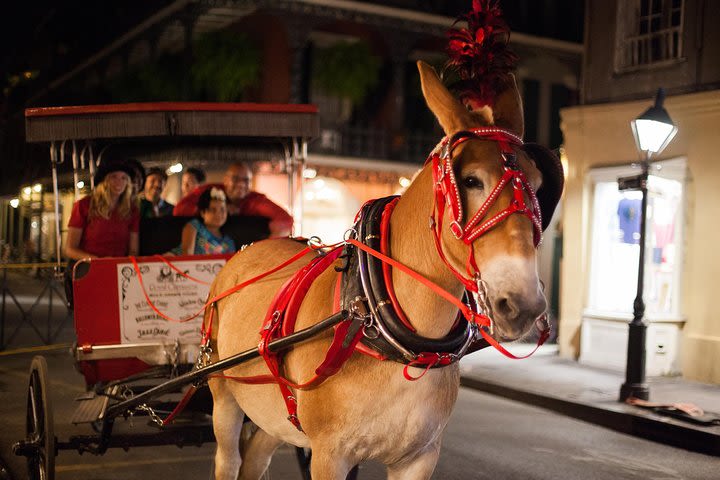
{"x": 374, "y": 144}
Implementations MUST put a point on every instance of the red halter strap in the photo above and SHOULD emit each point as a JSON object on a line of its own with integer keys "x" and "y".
{"x": 447, "y": 195}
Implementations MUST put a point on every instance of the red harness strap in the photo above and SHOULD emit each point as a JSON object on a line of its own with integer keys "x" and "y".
{"x": 387, "y": 273}
{"x": 280, "y": 321}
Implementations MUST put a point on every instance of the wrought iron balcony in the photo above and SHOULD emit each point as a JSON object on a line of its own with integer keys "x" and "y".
{"x": 374, "y": 143}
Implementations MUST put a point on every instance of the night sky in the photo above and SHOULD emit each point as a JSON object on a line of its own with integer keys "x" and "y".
{"x": 48, "y": 38}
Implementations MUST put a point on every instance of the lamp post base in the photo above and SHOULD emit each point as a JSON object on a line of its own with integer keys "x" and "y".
{"x": 635, "y": 385}
{"x": 636, "y": 390}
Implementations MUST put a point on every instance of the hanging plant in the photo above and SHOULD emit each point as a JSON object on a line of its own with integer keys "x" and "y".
{"x": 157, "y": 81}
{"x": 346, "y": 69}
{"x": 225, "y": 64}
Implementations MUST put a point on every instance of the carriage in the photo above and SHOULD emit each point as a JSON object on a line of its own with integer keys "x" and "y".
{"x": 124, "y": 347}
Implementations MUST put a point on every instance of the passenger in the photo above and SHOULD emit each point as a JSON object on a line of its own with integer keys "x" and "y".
{"x": 191, "y": 179}
{"x": 202, "y": 236}
{"x": 152, "y": 204}
{"x": 106, "y": 222}
{"x": 138, "y": 178}
{"x": 241, "y": 201}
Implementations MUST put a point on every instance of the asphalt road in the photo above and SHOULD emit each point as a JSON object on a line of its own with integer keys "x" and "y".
{"x": 487, "y": 438}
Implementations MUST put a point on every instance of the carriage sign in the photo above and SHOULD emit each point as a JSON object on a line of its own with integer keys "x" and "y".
{"x": 175, "y": 295}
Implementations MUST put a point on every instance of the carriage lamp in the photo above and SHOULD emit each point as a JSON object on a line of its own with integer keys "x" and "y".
{"x": 653, "y": 130}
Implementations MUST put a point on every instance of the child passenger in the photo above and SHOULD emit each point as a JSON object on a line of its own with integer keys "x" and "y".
{"x": 202, "y": 236}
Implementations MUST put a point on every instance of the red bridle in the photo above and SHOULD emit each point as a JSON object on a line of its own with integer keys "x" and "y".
{"x": 447, "y": 195}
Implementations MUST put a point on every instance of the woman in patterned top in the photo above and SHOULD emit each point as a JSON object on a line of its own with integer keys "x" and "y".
{"x": 202, "y": 236}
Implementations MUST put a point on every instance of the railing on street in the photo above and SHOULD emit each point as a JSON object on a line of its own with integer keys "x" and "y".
{"x": 37, "y": 305}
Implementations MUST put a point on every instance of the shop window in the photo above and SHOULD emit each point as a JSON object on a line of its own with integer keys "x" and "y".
{"x": 649, "y": 33}
{"x": 615, "y": 239}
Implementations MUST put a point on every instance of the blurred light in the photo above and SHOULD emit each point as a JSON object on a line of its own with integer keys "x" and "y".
{"x": 309, "y": 173}
{"x": 564, "y": 161}
{"x": 404, "y": 182}
{"x": 15, "y": 202}
{"x": 27, "y": 190}
{"x": 654, "y": 129}
{"x": 80, "y": 184}
{"x": 34, "y": 224}
{"x": 37, "y": 188}
{"x": 652, "y": 136}
{"x": 176, "y": 168}
{"x": 319, "y": 183}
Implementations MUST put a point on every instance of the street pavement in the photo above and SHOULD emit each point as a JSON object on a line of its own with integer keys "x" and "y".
{"x": 544, "y": 380}
{"x": 591, "y": 394}
{"x": 488, "y": 437}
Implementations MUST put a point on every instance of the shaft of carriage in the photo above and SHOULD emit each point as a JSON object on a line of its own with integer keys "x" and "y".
{"x": 200, "y": 375}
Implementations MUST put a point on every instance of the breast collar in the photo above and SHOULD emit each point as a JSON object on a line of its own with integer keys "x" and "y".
{"x": 388, "y": 334}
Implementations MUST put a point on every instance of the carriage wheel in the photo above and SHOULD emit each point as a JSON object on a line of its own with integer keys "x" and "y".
{"x": 39, "y": 427}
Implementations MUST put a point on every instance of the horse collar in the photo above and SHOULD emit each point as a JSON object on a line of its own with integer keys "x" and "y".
{"x": 388, "y": 334}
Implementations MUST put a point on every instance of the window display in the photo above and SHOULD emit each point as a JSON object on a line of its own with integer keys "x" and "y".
{"x": 615, "y": 238}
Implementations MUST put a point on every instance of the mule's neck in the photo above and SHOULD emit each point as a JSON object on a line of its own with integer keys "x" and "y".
{"x": 412, "y": 243}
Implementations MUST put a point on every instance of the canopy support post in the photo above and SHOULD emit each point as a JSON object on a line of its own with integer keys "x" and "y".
{"x": 56, "y": 204}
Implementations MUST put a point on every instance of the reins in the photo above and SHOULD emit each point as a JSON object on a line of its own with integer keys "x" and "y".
{"x": 285, "y": 306}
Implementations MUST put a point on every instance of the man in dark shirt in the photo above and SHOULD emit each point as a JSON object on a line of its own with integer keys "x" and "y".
{"x": 152, "y": 204}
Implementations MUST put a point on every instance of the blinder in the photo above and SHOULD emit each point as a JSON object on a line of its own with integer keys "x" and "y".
{"x": 553, "y": 179}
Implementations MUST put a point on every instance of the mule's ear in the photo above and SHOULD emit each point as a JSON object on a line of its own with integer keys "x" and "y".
{"x": 508, "y": 110}
{"x": 451, "y": 114}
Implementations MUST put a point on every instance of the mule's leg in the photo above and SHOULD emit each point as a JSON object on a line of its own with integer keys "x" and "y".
{"x": 227, "y": 424}
{"x": 418, "y": 468}
{"x": 327, "y": 465}
{"x": 257, "y": 453}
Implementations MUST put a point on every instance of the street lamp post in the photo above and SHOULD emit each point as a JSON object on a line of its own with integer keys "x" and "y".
{"x": 652, "y": 130}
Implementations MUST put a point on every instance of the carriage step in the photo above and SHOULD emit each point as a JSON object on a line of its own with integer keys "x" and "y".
{"x": 89, "y": 407}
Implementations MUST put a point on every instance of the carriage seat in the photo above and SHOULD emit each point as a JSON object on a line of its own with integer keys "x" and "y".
{"x": 162, "y": 234}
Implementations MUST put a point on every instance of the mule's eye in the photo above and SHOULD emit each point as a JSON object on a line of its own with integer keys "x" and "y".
{"x": 471, "y": 181}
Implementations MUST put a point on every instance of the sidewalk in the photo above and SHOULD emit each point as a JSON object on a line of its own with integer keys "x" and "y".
{"x": 591, "y": 394}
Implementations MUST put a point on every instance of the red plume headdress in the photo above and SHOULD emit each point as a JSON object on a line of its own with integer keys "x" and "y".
{"x": 479, "y": 54}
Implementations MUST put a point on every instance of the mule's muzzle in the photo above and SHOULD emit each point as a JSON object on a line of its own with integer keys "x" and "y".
{"x": 515, "y": 314}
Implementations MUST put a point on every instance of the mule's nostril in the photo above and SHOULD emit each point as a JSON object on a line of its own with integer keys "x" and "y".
{"x": 505, "y": 308}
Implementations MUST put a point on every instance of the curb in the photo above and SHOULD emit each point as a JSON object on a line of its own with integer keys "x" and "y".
{"x": 640, "y": 424}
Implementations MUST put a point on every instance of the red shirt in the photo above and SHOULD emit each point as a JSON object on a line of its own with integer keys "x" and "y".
{"x": 100, "y": 236}
{"x": 252, "y": 204}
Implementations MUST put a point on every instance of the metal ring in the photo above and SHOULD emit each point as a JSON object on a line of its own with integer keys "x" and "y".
{"x": 350, "y": 234}
{"x": 315, "y": 242}
{"x": 370, "y": 328}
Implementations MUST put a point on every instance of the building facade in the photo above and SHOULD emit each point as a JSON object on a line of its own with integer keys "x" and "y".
{"x": 632, "y": 48}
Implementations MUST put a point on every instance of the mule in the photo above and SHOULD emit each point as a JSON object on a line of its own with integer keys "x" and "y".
{"x": 369, "y": 410}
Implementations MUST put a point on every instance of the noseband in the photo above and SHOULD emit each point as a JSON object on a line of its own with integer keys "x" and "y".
{"x": 447, "y": 196}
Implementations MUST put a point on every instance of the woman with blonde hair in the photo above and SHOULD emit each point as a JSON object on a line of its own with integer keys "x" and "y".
{"x": 106, "y": 222}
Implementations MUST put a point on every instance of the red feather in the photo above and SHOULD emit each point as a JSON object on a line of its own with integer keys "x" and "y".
{"x": 479, "y": 54}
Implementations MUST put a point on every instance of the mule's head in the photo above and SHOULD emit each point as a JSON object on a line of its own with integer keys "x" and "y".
{"x": 505, "y": 253}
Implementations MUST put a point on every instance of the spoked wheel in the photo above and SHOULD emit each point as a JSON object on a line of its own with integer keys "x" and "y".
{"x": 39, "y": 444}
